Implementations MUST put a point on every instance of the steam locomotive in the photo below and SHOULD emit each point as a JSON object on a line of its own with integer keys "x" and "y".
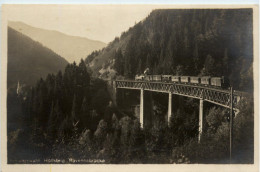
{"x": 203, "y": 81}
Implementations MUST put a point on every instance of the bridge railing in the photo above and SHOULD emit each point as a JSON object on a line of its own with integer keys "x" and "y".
{"x": 214, "y": 95}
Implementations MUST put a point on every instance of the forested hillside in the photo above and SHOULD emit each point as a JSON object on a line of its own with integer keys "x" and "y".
{"x": 29, "y": 60}
{"x": 183, "y": 42}
{"x": 55, "y": 110}
{"x": 68, "y": 117}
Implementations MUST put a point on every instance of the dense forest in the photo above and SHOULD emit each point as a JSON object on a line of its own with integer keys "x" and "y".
{"x": 71, "y": 117}
{"x": 29, "y": 60}
{"x": 205, "y": 42}
{"x": 51, "y": 108}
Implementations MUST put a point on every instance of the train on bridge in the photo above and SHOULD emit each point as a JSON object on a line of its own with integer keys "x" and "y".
{"x": 219, "y": 82}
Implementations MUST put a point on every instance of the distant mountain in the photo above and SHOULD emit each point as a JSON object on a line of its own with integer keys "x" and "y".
{"x": 29, "y": 60}
{"x": 72, "y": 48}
{"x": 211, "y": 42}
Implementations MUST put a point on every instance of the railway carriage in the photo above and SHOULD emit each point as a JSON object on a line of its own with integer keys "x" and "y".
{"x": 176, "y": 79}
{"x": 166, "y": 78}
{"x": 219, "y": 82}
{"x": 156, "y": 77}
{"x": 216, "y": 81}
{"x": 148, "y": 77}
{"x": 205, "y": 80}
{"x": 185, "y": 79}
{"x": 195, "y": 80}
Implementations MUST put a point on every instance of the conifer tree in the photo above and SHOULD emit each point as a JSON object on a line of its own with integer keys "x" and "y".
{"x": 85, "y": 119}
{"x": 54, "y": 118}
{"x": 74, "y": 116}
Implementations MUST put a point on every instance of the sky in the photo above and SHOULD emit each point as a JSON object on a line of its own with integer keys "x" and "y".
{"x": 96, "y": 22}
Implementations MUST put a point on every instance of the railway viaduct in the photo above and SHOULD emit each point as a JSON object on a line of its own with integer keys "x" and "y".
{"x": 228, "y": 98}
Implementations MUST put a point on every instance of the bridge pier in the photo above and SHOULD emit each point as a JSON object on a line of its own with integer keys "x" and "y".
{"x": 142, "y": 108}
{"x": 216, "y": 96}
{"x": 112, "y": 89}
{"x": 114, "y": 92}
{"x": 200, "y": 119}
{"x": 169, "y": 107}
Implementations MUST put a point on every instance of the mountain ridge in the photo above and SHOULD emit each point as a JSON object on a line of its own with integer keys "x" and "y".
{"x": 72, "y": 48}
{"x": 195, "y": 42}
{"x": 29, "y": 60}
